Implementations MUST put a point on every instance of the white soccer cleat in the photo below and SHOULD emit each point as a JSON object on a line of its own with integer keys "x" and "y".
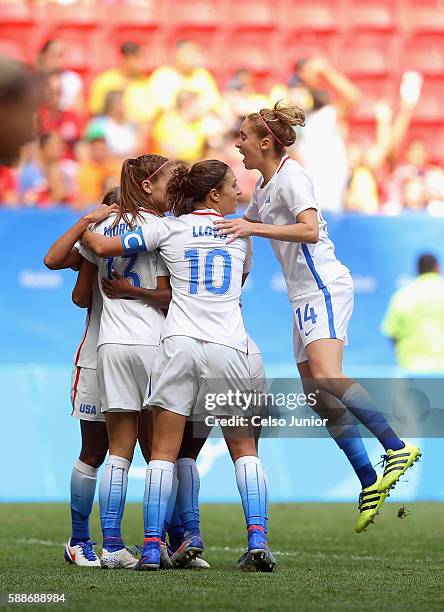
{"x": 82, "y": 554}
{"x": 119, "y": 559}
{"x": 197, "y": 563}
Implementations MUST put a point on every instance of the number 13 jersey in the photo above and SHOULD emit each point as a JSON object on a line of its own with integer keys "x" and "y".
{"x": 205, "y": 275}
{"x": 128, "y": 320}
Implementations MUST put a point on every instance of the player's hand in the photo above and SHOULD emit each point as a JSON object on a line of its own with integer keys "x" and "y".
{"x": 116, "y": 288}
{"x": 235, "y": 228}
{"x": 100, "y": 213}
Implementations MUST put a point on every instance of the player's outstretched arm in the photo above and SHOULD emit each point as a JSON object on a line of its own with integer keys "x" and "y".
{"x": 62, "y": 253}
{"x": 120, "y": 287}
{"x": 306, "y": 230}
{"x": 103, "y": 246}
{"x": 82, "y": 292}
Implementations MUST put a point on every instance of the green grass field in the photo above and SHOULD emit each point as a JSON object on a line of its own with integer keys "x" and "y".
{"x": 323, "y": 564}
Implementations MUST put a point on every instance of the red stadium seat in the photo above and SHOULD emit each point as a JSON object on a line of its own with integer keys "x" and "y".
{"x": 16, "y": 11}
{"x": 370, "y": 15}
{"x": 368, "y": 54}
{"x": 425, "y": 53}
{"x": 120, "y": 17}
{"x": 430, "y": 108}
{"x": 250, "y": 50}
{"x": 81, "y": 49}
{"x": 250, "y": 14}
{"x": 373, "y": 90}
{"x": 310, "y": 15}
{"x": 79, "y": 14}
{"x": 207, "y": 14}
{"x": 14, "y": 49}
{"x": 307, "y": 44}
{"x": 423, "y": 15}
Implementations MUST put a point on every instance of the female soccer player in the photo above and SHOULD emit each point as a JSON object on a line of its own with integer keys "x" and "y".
{"x": 129, "y": 338}
{"x": 203, "y": 343}
{"x": 64, "y": 253}
{"x": 283, "y": 208}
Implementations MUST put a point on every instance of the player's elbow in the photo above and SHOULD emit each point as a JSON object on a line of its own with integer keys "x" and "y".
{"x": 313, "y": 235}
{"x": 50, "y": 262}
{"x": 80, "y": 298}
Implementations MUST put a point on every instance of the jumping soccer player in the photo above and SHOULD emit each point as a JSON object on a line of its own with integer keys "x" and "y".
{"x": 203, "y": 339}
{"x": 284, "y": 209}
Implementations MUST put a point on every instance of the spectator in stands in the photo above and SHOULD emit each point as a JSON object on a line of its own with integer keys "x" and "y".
{"x": 129, "y": 78}
{"x": 101, "y": 169}
{"x": 322, "y": 147}
{"x": 180, "y": 133}
{"x": 187, "y": 73}
{"x": 8, "y": 187}
{"x": 20, "y": 96}
{"x": 51, "y": 117}
{"x": 50, "y": 59}
{"x": 414, "y": 319}
{"x": 120, "y": 135}
{"x": 242, "y": 94}
{"x": 43, "y": 162}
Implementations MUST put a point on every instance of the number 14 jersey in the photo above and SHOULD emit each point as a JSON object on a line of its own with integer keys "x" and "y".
{"x": 205, "y": 275}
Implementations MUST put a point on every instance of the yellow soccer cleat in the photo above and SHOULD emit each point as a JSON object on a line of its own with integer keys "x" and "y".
{"x": 370, "y": 500}
{"x": 396, "y": 464}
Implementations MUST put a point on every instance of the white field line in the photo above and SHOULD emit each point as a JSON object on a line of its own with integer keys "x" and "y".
{"x": 218, "y": 549}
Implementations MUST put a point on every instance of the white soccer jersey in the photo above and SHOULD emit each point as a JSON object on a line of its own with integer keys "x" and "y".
{"x": 306, "y": 267}
{"x": 129, "y": 321}
{"x": 86, "y": 353}
{"x": 206, "y": 276}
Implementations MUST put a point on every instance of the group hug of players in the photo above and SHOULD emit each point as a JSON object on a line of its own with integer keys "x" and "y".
{"x": 160, "y": 269}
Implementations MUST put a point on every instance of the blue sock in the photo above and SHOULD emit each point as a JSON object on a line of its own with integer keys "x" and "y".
{"x": 250, "y": 478}
{"x": 83, "y": 487}
{"x": 188, "y": 495}
{"x": 112, "y": 495}
{"x": 158, "y": 487}
{"x": 360, "y": 403}
{"x": 345, "y": 433}
{"x": 170, "y": 507}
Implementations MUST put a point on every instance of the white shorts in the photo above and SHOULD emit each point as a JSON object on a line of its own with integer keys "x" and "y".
{"x": 186, "y": 369}
{"x": 123, "y": 372}
{"x": 85, "y": 394}
{"x": 322, "y": 314}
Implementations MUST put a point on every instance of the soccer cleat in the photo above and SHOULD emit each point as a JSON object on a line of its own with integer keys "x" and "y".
{"x": 165, "y": 561}
{"x": 396, "y": 463}
{"x": 82, "y": 554}
{"x": 197, "y": 563}
{"x": 150, "y": 559}
{"x": 370, "y": 500}
{"x": 119, "y": 559}
{"x": 258, "y": 557}
{"x": 189, "y": 549}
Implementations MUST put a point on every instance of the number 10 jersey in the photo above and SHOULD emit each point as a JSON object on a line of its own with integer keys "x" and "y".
{"x": 205, "y": 275}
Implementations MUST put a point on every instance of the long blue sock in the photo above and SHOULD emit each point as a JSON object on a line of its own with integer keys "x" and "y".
{"x": 188, "y": 495}
{"x": 170, "y": 506}
{"x": 360, "y": 403}
{"x": 250, "y": 478}
{"x": 83, "y": 487}
{"x": 345, "y": 433}
{"x": 158, "y": 486}
{"x": 112, "y": 495}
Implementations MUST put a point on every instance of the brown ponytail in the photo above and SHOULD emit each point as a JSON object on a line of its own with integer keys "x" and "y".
{"x": 187, "y": 187}
{"x": 280, "y": 121}
{"x": 133, "y": 198}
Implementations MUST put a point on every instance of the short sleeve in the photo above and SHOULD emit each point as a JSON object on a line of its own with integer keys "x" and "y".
{"x": 296, "y": 192}
{"x": 161, "y": 267}
{"x": 86, "y": 253}
{"x": 147, "y": 237}
{"x": 248, "y": 263}
{"x": 252, "y": 211}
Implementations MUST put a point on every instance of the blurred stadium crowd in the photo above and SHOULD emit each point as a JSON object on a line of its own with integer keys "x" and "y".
{"x": 360, "y": 144}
